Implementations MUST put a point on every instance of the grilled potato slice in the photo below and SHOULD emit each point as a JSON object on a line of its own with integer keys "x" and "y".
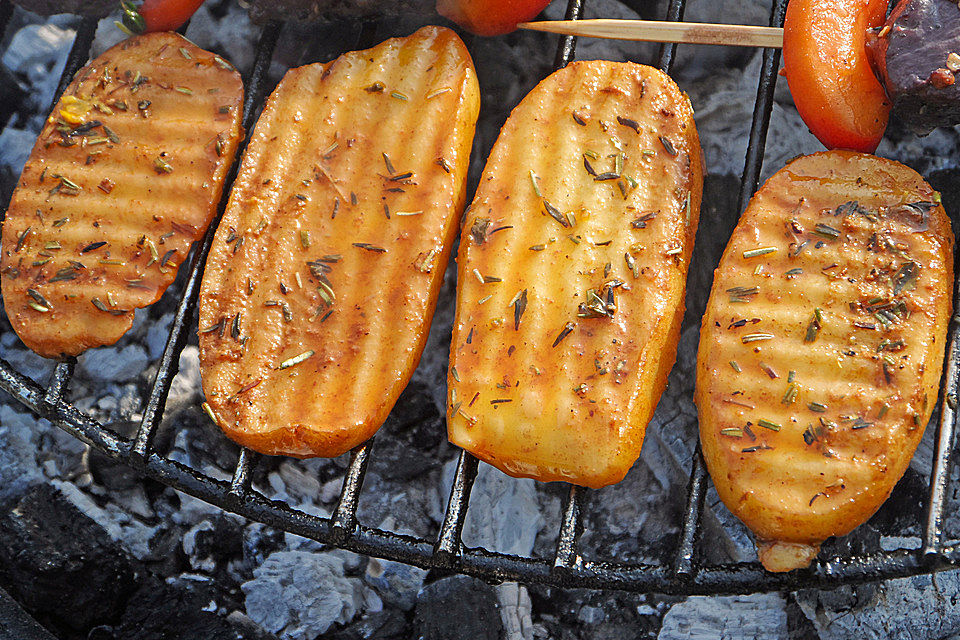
{"x": 572, "y": 267}
{"x": 325, "y": 270}
{"x": 125, "y": 176}
{"x": 822, "y": 346}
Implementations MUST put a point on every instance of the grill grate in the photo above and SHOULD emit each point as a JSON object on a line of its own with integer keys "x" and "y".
{"x": 681, "y": 575}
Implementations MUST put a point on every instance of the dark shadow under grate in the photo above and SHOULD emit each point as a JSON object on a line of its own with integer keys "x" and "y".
{"x": 681, "y": 575}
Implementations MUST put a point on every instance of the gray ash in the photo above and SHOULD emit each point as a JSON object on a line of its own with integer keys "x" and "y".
{"x": 97, "y": 8}
{"x": 325, "y": 10}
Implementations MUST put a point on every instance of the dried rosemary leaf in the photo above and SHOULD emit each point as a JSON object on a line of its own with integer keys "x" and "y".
{"x": 286, "y": 364}
{"x": 519, "y": 306}
{"x": 756, "y": 337}
{"x": 767, "y": 424}
{"x": 816, "y": 323}
{"x": 567, "y": 328}
{"x": 760, "y": 251}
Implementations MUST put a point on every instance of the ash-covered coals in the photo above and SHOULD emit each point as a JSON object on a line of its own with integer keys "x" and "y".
{"x": 97, "y": 8}
{"x": 317, "y": 10}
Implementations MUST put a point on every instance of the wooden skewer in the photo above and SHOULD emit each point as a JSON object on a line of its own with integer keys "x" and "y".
{"x": 737, "y": 35}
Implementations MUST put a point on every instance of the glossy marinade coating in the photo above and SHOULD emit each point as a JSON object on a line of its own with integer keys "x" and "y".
{"x": 125, "y": 175}
{"x": 822, "y": 346}
{"x": 571, "y": 274}
{"x": 324, "y": 273}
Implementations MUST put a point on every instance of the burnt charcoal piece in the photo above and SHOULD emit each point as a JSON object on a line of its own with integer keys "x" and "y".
{"x": 383, "y": 625}
{"x": 17, "y": 623}
{"x": 98, "y": 8}
{"x": 48, "y": 549}
{"x": 158, "y": 611}
{"x": 64, "y": 569}
{"x": 457, "y": 608}
{"x": 15, "y": 95}
{"x": 317, "y": 10}
{"x": 410, "y": 438}
{"x": 902, "y": 512}
{"x": 918, "y": 58}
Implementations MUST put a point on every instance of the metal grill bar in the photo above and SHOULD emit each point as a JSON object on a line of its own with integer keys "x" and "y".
{"x": 568, "y": 44}
{"x": 177, "y": 339}
{"x": 669, "y": 50}
{"x": 78, "y": 55}
{"x": 571, "y": 528}
{"x": 753, "y": 163}
{"x": 723, "y": 579}
{"x": 447, "y": 547}
{"x": 170, "y": 360}
{"x": 59, "y": 380}
{"x": 240, "y": 483}
{"x": 683, "y": 562}
{"x": 945, "y": 436}
{"x": 683, "y": 565}
{"x": 345, "y": 515}
{"x": 566, "y": 568}
{"x": 256, "y": 83}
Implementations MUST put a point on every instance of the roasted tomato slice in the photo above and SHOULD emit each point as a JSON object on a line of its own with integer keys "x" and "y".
{"x": 490, "y": 17}
{"x": 829, "y": 73}
{"x": 157, "y": 15}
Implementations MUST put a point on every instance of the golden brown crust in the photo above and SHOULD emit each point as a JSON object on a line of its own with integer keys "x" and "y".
{"x": 125, "y": 176}
{"x": 854, "y": 299}
{"x": 324, "y": 273}
{"x": 526, "y": 394}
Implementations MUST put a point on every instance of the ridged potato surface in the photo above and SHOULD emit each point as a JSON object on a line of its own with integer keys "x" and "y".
{"x": 822, "y": 346}
{"x": 125, "y": 176}
{"x": 324, "y": 273}
{"x": 571, "y": 273}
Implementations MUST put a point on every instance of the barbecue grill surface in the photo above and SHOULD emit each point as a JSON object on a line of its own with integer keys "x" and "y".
{"x": 683, "y": 572}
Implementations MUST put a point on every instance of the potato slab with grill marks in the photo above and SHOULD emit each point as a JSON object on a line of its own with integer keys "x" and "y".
{"x": 822, "y": 346}
{"x": 125, "y": 176}
{"x": 571, "y": 275}
{"x": 325, "y": 270}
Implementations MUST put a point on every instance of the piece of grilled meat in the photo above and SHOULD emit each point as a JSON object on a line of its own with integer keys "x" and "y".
{"x": 917, "y": 54}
